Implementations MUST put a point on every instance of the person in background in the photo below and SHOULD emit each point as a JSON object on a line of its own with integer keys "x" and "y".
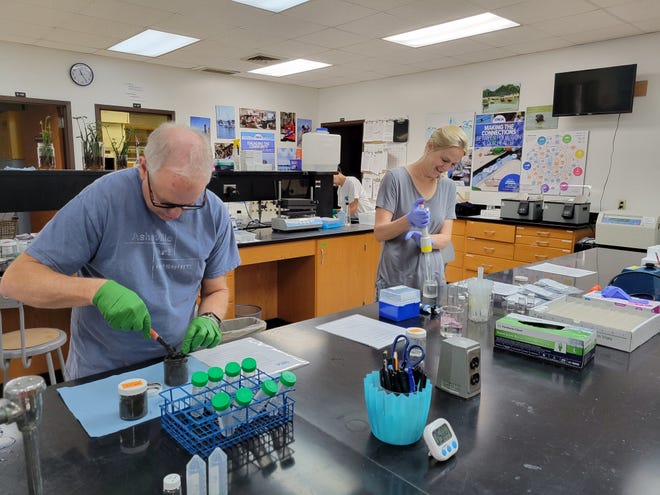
{"x": 131, "y": 252}
{"x": 400, "y": 217}
{"x": 350, "y": 187}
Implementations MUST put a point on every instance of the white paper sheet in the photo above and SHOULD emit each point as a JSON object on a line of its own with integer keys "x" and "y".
{"x": 363, "y": 330}
{"x": 269, "y": 359}
{"x": 561, "y": 270}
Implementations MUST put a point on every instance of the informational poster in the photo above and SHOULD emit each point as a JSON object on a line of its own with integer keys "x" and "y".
{"x": 540, "y": 118}
{"x": 262, "y": 142}
{"x": 225, "y": 122}
{"x": 304, "y": 126}
{"x": 553, "y": 161}
{"x": 287, "y": 159}
{"x": 202, "y": 124}
{"x": 496, "y": 159}
{"x": 288, "y": 127}
{"x": 501, "y": 98}
{"x": 462, "y": 173}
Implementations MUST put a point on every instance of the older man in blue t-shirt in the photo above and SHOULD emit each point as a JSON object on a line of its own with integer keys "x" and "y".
{"x": 132, "y": 252}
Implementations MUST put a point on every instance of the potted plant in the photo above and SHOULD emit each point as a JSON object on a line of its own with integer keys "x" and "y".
{"x": 121, "y": 148}
{"x": 46, "y": 148}
{"x": 91, "y": 138}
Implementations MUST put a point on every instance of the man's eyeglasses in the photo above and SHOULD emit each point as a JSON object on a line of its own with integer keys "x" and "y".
{"x": 158, "y": 204}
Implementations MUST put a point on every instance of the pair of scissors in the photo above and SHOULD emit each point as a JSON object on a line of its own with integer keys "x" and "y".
{"x": 406, "y": 360}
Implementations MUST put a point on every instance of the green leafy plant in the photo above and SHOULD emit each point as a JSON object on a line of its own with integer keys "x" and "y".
{"x": 46, "y": 149}
{"x": 91, "y": 137}
{"x": 121, "y": 148}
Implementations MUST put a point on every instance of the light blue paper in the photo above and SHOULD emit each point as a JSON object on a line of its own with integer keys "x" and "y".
{"x": 96, "y": 404}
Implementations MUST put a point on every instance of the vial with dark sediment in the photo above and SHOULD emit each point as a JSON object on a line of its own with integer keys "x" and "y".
{"x": 176, "y": 369}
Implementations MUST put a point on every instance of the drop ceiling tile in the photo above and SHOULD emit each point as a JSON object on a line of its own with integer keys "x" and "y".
{"x": 580, "y": 22}
{"x": 377, "y": 26}
{"x": 486, "y": 55}
{"x": 332, "y": 38}
{"x": 506, "y": 37}
{"x": 537, "y": 10}
{"x": 636, "y": 11}
{"x": 328, "y": 13}
{"x": 612, "y": 32}
{"x": 648, "y": 25}
{"x": 424, "y": 13}
{"x": 118, "y": 10}
{"x": 381, "y": 5}
{"x": 541, "y": 45}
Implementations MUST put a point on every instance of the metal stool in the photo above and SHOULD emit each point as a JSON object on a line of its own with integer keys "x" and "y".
{"x": 28, "y": 342}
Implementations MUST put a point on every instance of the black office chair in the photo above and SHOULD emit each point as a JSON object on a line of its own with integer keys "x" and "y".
{"x": 640, "y": 284}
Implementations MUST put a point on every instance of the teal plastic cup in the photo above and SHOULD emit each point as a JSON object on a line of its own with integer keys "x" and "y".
{"x": 396, "y": 419}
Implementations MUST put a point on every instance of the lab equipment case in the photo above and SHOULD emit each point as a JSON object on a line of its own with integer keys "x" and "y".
{"x": 569, "y": 212}
{"x": 518, "y": 209}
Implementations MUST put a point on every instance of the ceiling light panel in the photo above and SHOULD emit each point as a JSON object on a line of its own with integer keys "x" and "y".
{"x": 290, "y": 67}
{"x": 272, "y": 5}
{"x": 152, "y": 43}
{"x": 461, "y": 28}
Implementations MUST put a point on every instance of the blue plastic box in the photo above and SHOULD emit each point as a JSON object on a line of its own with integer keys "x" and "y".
{"x": 398, "y": 303}
{"x": 398, "y": 313}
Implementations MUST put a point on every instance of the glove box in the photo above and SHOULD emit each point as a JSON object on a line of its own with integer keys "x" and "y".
{"x": 519, "y": 209}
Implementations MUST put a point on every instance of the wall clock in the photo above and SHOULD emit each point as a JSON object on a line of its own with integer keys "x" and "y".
{"x": 81, "y": 74}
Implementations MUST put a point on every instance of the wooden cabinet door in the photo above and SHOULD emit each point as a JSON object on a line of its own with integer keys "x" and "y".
{"x": 370, "y": 267}
{"x": 340, "y": 265}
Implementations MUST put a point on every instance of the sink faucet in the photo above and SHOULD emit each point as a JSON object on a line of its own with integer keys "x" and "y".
{"x": 23, "y": 404}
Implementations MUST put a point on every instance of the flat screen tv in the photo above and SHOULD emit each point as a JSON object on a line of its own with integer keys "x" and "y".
{"x": 594, "y": 91}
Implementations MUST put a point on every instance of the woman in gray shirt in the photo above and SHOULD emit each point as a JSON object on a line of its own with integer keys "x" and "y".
{"x": 397, "y": 211}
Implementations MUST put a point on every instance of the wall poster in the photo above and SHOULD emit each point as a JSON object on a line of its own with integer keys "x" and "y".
{"x": 553, "y": 161}
{"x": 496, "y": 159}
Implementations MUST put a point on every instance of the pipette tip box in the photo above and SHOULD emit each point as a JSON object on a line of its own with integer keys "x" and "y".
{"x": 399, "y": 303}
{"x": 560, "y": 343}
{"x": 620, "y": 327}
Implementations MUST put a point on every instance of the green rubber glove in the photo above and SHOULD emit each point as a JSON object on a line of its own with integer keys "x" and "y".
{"x": 122, "y": 308}
{"x": 202, "y": 332}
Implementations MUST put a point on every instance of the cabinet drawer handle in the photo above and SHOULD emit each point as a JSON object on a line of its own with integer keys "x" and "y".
{"x": 489, "y": 249}
{"x": 540, "y": 257}
{"x": 322, "y": 256}
{"x": 489, "y": 232}
{"x": 542, "y": 243}
{"x": 543, "y": 233}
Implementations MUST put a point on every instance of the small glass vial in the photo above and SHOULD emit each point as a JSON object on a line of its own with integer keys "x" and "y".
{"x": 248, "y": 367}
{"x": 220, "y": 403}
{"x": 233, "y": 372}
{"x": 172, "y": 484}
{"x": 133, "y": 399}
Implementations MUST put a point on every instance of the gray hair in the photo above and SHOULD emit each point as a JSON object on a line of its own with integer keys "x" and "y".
{"x": 449, "y": 136}
{"x": 160, "y": 145}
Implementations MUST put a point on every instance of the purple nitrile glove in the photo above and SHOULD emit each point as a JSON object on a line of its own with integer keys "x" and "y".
{"x": 418, "y": 216}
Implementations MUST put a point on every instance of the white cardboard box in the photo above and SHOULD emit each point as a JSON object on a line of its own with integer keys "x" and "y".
{"x": 623, "y": 328}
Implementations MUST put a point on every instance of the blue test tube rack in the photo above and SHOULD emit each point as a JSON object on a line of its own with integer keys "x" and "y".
{"x": 190, "y": 419}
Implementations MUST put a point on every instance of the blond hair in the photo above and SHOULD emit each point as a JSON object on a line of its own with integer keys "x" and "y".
{"x": 449, "y": 136}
